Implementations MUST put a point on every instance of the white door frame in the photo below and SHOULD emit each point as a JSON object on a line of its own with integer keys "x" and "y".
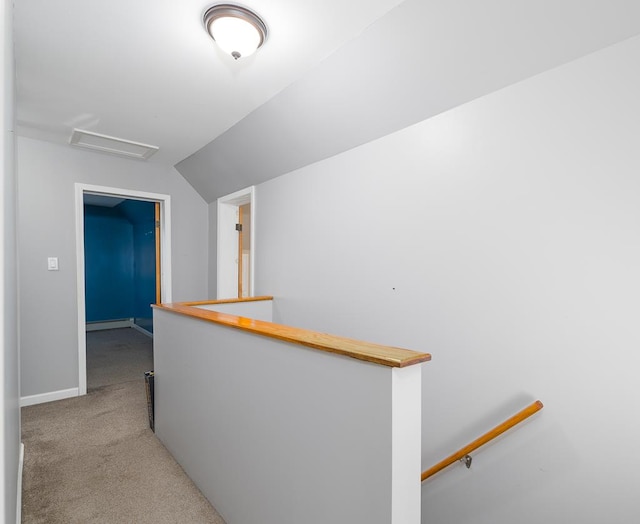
{"x": 165, "y": 264}
{"x": 227, "y": 252}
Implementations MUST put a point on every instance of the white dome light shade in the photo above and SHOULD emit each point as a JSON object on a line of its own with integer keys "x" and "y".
{"x": 235, "y": 29}
{"x": 235, "y": 35}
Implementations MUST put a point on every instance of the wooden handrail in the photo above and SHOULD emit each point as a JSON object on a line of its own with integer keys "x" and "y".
{"x": 232, "y": 300}
{"x": 360, "y": 350}
{"x": 481, "y": 441}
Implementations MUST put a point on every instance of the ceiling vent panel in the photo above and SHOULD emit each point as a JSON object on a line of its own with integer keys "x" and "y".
{"x": 110, "y": 144}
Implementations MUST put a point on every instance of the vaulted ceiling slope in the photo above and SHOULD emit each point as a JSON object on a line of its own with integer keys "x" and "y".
{"x": 333, "y": 74}
{"x": 422, "y": 58}
{"x": 147, "y": 71}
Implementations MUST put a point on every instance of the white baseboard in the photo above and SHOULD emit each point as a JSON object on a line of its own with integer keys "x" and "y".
{"x": 142, "y": 330}
{"x": 111, "y": 324}
{"x": 19, "y": 501}
{"x": 30, "y": 400}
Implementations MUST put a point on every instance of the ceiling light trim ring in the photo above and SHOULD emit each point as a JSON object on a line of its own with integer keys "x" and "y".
{"x": 218, "y": 11}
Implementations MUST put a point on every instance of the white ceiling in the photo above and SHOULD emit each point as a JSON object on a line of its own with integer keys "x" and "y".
{"x": 333, "y": 74}
{"x": 101, "y": 200}
{"x": 146, "y": 70}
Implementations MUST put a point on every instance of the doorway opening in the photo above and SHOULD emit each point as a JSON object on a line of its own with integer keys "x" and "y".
{"x": 236, "y": 244}
{"x": 107, "y": 294}
{"x": 122, "y": 276}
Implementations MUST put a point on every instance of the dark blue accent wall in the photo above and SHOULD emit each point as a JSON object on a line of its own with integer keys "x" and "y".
{"x": 108, "y": 252}
{"x": 142, "y": 216}
{"x": 120, "y": 262}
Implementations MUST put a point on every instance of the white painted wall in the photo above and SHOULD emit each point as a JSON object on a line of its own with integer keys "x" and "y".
{"x": 276, "y": 433}
{"x": 257, "y": 310}
{"x": 502, "y": 237}
{"x": 47, "y": 173}
{"x": 9, "y": 365}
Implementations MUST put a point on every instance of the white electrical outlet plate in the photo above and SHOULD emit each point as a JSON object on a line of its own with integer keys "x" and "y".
{"x": 52, "y": 263}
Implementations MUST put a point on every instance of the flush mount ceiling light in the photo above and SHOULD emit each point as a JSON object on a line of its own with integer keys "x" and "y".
{"x": 237, "y": 30}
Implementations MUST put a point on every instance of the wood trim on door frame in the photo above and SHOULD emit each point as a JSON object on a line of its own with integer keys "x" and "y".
{"x": 240, "y": 241}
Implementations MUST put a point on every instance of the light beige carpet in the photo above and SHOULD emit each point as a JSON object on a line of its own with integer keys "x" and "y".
{"x": 117, "y": 355}
{"x": 93, "y": 459}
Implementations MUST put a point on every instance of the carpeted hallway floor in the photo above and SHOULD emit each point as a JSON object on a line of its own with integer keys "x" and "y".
{"x": 93, "y": 459}
{"x": 117, "y": 355}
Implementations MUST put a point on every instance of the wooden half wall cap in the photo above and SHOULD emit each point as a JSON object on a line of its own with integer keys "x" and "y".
{"x": 366, "y": 351}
